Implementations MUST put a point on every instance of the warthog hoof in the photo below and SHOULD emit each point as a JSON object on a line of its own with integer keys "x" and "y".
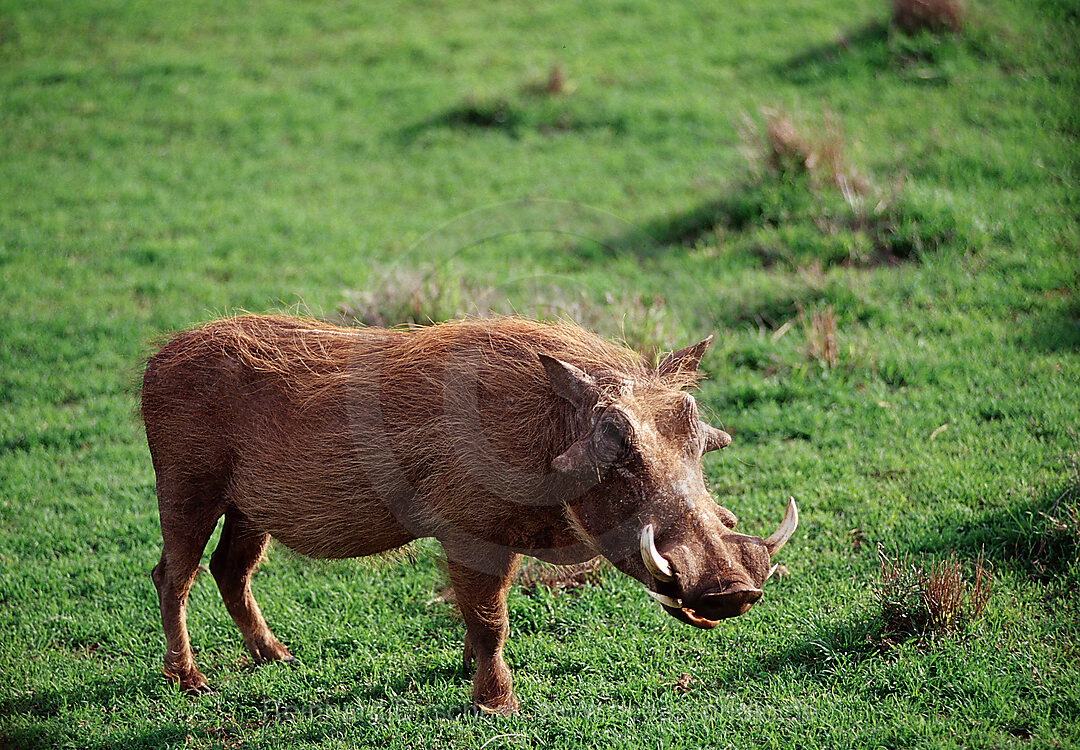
{"x": 196, "y": 690}
{"x": 270, "y": 651}
{"x": 191, "y": 682}
{"x": 506, "y": 708}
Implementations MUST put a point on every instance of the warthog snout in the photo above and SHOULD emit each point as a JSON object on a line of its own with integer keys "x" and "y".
{"x": 703, "y": 582}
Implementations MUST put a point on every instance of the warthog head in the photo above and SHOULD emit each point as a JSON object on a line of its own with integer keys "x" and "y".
{"x": 640, "y": 496}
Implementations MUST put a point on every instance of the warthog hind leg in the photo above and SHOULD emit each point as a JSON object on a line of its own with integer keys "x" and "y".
{"x": 187, "y": 521}
{"x": 482, "y": 600}
{"x": 237, "y": 555}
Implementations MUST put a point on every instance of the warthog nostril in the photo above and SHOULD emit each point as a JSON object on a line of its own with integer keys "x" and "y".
{"x": 730, "y": 602}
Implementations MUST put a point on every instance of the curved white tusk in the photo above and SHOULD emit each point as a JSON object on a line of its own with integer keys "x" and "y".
{"x": 772, "y": 570}
{"x": 779, "y": 537}
{"x": 659, "y": 567}
{"x": 667, "y": 601}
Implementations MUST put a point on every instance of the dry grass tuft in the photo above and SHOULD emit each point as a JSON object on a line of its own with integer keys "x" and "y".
{"x": 684, "y": 684}
{"x": 912, "y": 16}
{"x": 556, "y": 83}
{"x": 819, "y": 329}
{"x": 792, "y": 148}
{"x": 916, "y": 600}
{"x": 534, "y": 574}
{"x": 411, "y": 298}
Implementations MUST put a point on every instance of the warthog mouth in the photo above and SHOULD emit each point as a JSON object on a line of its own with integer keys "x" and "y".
{"x": 710, "y": 608}
{"x": 733, "y": 605}
{"x": 685, "y": 614}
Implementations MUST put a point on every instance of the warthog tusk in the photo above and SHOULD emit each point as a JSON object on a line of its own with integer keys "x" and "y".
{"x": 779, "y": 537}
{"x": 656, "y": 564}
{"x": 772, "y": 570}
{"x": 667, "y": 601}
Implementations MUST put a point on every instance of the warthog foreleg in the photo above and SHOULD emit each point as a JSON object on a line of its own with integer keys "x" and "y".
{"x": 482, "y": 600}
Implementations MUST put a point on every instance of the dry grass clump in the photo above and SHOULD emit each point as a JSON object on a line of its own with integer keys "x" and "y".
{"x": 917, "y": 600}
{"x": 556, "y": 83}
{"x": 819, "y": 330}
{"x": 792, "y": 148}
{"x": 410, "y": 298}
{"x": 912, "y": 16}
{"x": 794, "y": 154}
{"x": 534, "y": 574}
{"x": 645, "y": 324}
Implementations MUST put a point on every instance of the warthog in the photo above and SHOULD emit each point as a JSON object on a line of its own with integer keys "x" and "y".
{"x": 497, "y": 437}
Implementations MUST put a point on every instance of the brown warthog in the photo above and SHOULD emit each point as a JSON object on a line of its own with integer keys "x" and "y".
{"x": 497, "y": 437}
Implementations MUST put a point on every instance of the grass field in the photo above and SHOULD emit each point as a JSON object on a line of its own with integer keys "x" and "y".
{"x": 894, "y": 281}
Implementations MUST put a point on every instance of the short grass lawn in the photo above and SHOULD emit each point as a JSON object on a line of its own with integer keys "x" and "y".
{"x": 879, "y": 227}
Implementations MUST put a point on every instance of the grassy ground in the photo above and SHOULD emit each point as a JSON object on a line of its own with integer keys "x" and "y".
{"x": 165, "y": 163}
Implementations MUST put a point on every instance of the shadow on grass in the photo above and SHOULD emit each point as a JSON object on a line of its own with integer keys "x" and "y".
{"x": 513, "y": 119}
{"x": 155, "y": 739}
{"x": 496, "y": 115}
{"x": 737, "y": 211}
{"x": 40, "y": 737}
{"x": 863, "y": 47}
{"x": 1040, "y": 537}
{"x": 50, "y": 707}
{"x": 375, "y": 703}
{"x": 48, "y": 703}
{"x": 818, "y": 656}
{"x": 1056, "y": 331}
{"x": 434, "y": 673}
{"x": 791, "y": 220}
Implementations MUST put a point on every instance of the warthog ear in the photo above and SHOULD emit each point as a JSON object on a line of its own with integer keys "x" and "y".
{"x": 576, "y": 460}
{"x": 685, "y": 360}
{"x": 728, "y": 518}
{"x": 568, "y": 381}
{"x": 715, "y": 439}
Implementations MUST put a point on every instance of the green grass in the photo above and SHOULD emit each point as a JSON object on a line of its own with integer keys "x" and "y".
{"x": 162, "y": 164}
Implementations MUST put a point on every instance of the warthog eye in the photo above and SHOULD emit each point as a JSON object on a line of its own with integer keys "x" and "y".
{"x": 611, "y": 440}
